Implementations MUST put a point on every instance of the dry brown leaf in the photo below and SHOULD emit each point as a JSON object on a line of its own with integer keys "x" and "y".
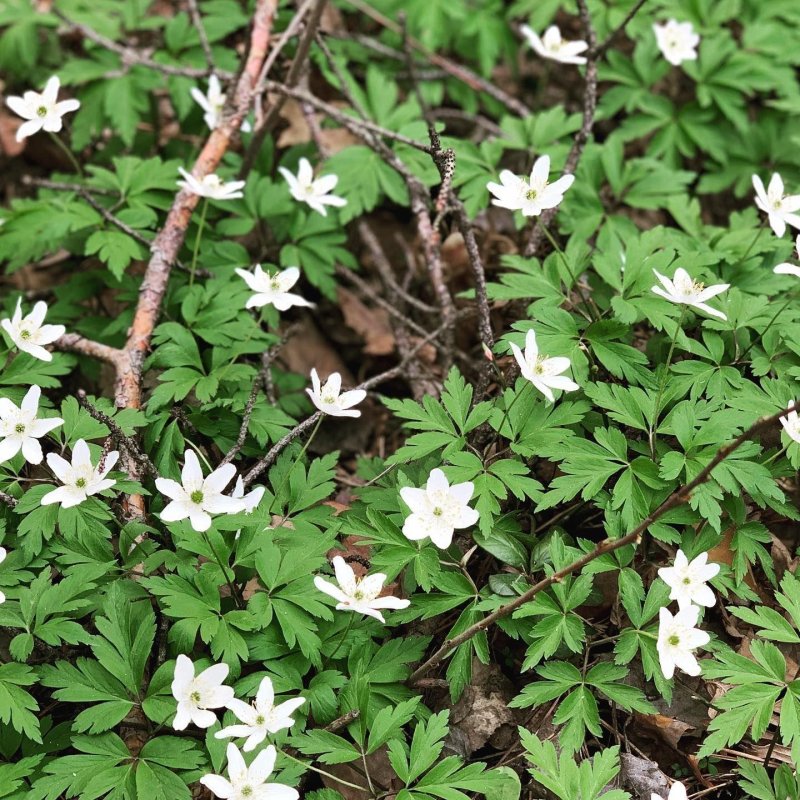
{"x": 8, "y": 132}
{"x": 482, "y": 712}
{"x": 661, "y": 727}
{"x": 642, "y": 776}
{"x": 308, "y": 348}
{"x": 297, "y": 130}
{"x": 370, "y": 323}
{"x": 380, "y": 772}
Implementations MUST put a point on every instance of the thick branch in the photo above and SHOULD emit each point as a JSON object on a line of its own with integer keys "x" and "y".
{"x": 678, "y": 497}
{"x": 167, "y": 244}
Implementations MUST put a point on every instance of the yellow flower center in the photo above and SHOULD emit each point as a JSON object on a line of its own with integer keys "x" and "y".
{"x": 80, "y": 483}
{"x": 674, "y": 640}
{"x": 196, "y": 496}
{"x": 41, "y": 111}
{"x": 19, "y": 428}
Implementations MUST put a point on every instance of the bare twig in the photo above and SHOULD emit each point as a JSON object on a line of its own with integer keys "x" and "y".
{"x": 248, "y": 412}
{"x": 385, "y": 269}
{"x": 678, "y": 497}
{"x": 132, "y": 57}
{"x": 600, "y": 49}
{"x": 293, "y": 76}
{"x": 119, "y": 436}
{"x": 358, "y": 127}
{"x": 63, "y": 186}
{"x": 581, "y": 137}
{"x": 462, "y": 73}
{"x": 197, "y": 21}
{"x": 8, "y": 499}
{"x": 343, "y": 721}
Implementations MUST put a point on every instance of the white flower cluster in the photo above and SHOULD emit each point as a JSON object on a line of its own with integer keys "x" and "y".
{"x": 678, "y": 634}
{"x": 197, "y": 695}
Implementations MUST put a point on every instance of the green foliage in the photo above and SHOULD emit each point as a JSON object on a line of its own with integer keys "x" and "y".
{"x": 102, "y": 597}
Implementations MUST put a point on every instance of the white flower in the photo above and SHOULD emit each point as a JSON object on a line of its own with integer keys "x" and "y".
{"x": 41, "y": 110}
{"x": 80, "y": 478}
{"x": 316, "y": 193}
{"x": 683, "y": 290}
{"x": 29, "y": 334}
{"x": 677, "y": 41}
{"x": 245, "y": 783}
{"x": 330, "y": 399}
{"x": 552, "y": 46}
{"x": 262, "y": 718}
{"x": 21, "y": 428}
{"x": 791, "y": 423}
{"x": 273, "y": 289}
{"x": 678, "y": 636}
{"x": 3, "y": 555}
{"x": 541, "y": 370}
{"x": 533, "y": 196}
{"x": 790, "y": 269}
{"x": 198, "y": 497}
{"x": 438, "y": 509}
{"x": 211, "y": 186}
{"x": 687, "y": 580}
{"x": 251, "y": 499}
{"x": 676, "y": 792}
{"x": 358, "y": 595}
{"x": 196, "y": 694}
{"x": 780, "y": 208}
{"x": 213, "y": 103}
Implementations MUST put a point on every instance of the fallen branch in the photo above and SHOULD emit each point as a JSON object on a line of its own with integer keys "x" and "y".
{"x": 128, "y": 361}
{"x": 678, "y": 497}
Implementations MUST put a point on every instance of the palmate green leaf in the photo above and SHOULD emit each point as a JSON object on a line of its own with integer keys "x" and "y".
{"x": 326, "y": 747}
{"x": 444, "y": 424}
{"x": 17, "y": 706}
{"x": 559, "y": 773}
{"x": 106, "y": 768}
{"x": 12, "y": 776}
{"x": 47, "y": 611}
{"x": 114, "y": 248}
{"x": 758, "y": 684}
{"x": 389, "y": 721}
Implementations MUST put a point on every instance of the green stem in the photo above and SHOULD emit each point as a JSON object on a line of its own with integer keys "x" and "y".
{"x": 326, "y": 774}
{"x": 231, "y": 586}
{"x": 299, "y": 457}
{"x": 753, "y": 243}
{"x": 507, "y": 410}
{"x": 773, "y": 457}
{"x": 763, "y": 333}
{"x": 571, "y": 274}
{"x": 197, "y": 239}
{"x": 662, "y": 384}
{"x": 67, "y": 152}
{"x": 343, "y": 636}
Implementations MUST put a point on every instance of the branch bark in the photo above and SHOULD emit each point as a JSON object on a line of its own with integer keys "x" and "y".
{"x": 128, "y": 361}
{"x": 678, "y": 497}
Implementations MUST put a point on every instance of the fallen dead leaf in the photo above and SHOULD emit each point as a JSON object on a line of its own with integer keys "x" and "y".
{"x": 370, "y": 323}
{"x": 482, "y": 711}
{"x": 8, "y": 133}
{"x": 661, "y": 727}
{"x": 309, "y": 348}
{"x": 642, "y": 777}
